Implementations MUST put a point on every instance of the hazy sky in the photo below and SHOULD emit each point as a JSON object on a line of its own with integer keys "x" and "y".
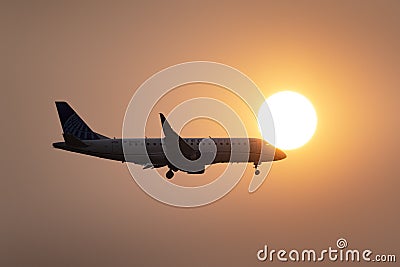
{"x": 64, "y": 209}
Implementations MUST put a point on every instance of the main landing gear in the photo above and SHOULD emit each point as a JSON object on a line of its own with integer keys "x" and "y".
{"x": 256, "y": 172}
{"x": 169, "y": 174}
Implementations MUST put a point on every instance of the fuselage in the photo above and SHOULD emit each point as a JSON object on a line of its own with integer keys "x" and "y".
{"x": 149, "y": 151}
{"x": 190, "y": 155}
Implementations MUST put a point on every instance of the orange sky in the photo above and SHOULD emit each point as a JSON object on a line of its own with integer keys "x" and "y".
{"x": 63, "y": 209}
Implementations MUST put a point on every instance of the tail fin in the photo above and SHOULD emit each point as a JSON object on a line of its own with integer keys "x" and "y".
{"x": 73, "y": 125}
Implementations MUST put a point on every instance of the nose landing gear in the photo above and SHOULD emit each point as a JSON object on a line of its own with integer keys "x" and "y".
{"x": 256, "y": 172}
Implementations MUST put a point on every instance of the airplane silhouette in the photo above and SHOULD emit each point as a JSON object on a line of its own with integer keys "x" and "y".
{"x": 153, "y": 152}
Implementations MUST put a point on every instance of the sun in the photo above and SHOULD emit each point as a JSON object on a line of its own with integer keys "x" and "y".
{"x": 294, "y": 120}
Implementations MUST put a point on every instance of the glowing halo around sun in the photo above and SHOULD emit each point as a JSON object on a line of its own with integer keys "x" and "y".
{"x": 295, "y": 120}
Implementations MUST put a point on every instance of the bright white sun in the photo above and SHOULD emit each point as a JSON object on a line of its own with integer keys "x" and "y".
{"x": 294, "y": 120}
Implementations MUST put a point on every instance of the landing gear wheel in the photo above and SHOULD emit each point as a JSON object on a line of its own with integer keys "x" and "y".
{"x": 169, "y": 174}
{"x": 256, "y": 172}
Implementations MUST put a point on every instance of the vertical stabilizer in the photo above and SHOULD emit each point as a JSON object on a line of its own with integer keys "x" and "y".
{"x": 73, "y": 125}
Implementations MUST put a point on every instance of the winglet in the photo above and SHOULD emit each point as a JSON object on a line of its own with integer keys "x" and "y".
{"x": 167, "y": 129}
{"x": 163, "y": 119}
{"x": 170, "y": 134}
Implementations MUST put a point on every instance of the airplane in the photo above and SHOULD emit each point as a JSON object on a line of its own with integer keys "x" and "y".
{"x": 150, "y": 152}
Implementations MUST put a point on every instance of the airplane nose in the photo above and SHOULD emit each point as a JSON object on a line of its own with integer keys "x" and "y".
{"x": 279, "y": 154}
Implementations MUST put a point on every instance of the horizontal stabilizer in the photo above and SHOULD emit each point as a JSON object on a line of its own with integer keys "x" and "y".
{"x": 71, "y": 140}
